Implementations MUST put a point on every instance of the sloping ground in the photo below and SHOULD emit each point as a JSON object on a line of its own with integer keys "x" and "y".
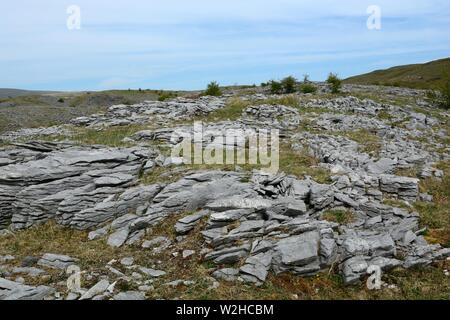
{"x": 13, "y": 93}
{"x": 42, "y": 110}
{"x": 419, "y": 76}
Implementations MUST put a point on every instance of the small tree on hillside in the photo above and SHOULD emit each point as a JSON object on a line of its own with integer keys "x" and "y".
{"x": 213, "y": 89}
{"x": 289, "y": 84}
{"x": 275, "y": 87}
{"x": 307, "y": 86}
{"x": 335, "y": 83}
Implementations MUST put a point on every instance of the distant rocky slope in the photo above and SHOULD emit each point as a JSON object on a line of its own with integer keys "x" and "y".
{"x": 247, "y": 225}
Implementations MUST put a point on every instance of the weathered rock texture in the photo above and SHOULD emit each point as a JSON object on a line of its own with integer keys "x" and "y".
{"x": 257, "y": 222}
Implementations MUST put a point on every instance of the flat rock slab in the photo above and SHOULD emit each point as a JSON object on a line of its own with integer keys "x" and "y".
{"x": 129, "y": 296}
{"x": 99, "y": 288}
{"x": 298, "y": 250}
{"x": 152, "y": 272}
{"x": 10, "y": 290}
{"x": 56, "y": 261}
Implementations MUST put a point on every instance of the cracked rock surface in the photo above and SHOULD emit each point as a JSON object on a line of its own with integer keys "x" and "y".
{"x": 247, "y": 224}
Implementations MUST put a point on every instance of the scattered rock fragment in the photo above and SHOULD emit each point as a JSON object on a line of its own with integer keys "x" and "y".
{"x": 56, "y": 261}
{"x": 99, "y": 288}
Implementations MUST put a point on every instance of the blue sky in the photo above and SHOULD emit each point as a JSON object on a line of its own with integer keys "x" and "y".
{"x": 176, "y": 44}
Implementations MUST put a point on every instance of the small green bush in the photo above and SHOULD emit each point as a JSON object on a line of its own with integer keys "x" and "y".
{"x": 335, "y": 83}
{"x": 163, "y": 96}
{"x": 289, "y": 84}
{"x": 213, "y": 89}
{"x": 308, "y": 88}
{"x": 61, "y": 100}
{"x": 275, "y": 87}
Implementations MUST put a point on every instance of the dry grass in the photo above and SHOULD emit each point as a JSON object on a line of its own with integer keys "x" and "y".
{"x": 52, "y": 238}
{"x": 368, "y": 141}
{"x": 426, "y": 283}
{"x": 162, "y": 175}
{"x": 384, "y": 115}
{"x": 287, "y": 100}
{"x": 232, "y": 111}
{"x": 301, "y": 164}
{"x": 339, "y": 216}
{"x": 408, "y": 172}
{"x": 398, "y": 204}
{"x": 111, "y": 136}
{"x": 297, "y": 163}
{"x": 436, "y": 215}
{"x": 235, "y": 106}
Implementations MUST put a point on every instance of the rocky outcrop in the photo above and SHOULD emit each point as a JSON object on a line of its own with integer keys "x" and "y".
{"x": 141, "y": 113}
{"x": 10, "y": 290}
{"x": 247, "y": 224}
{"x": 282, "y": 231}
{"x": 276, "y": 116}
{"x": 77, "y": 186}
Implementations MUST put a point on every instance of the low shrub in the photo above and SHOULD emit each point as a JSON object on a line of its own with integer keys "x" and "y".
{"x": 289, "y": 84}
{"x": 308, "y": 88}
{"x": 213, "y": 89}
{"x": 276, "y": 87}
{"x": 335, "y": 83}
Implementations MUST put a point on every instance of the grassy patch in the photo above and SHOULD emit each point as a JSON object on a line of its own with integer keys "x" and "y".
{"x": 133, "y": 96}
{"x": 28, "y": 100}
{"x": 436, "y": 215}
{"x": 395, "y": 100}
{"x": 385, "y": 115}
{"x": 235, "y": 106}
{"x": 287, "y": 100}
{"x": 52, "y": 238}
{"x": 35, "y": 116}
{"x": 318, "y": 110}
{"x": 111, "y": 136}
{"x": 163, "y": 175}
{"x": 398, "y": 204}
{"x": 424, "y": 283}
{"x": 369, "y": 142}
{"x": 300, "y": 164}
{"x": 339, "y": 216}
{"x": 297, "y": 163}
{"x": 407, "y": 172}
{"x": 232, "y": 111}
{"x": 167, "y": 95}
{"x": 3, "y": 123}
